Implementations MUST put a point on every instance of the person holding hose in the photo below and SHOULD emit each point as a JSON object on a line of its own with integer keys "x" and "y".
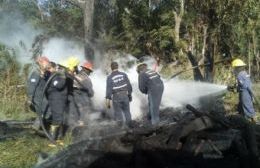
{"x": 35, "y": 86}
{"x": 57, "y": 95}
{"x": 244, "y": 88}
{"x": 150, "y": 83}
{"x": 83, "y": 91}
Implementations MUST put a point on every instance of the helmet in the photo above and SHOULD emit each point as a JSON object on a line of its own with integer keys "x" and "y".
{"x": 88, "y": 65}
{"x": 42, "y": 60}
{"x": 63, "y": 64}
{"x": 140, "y": 64}
{"x": 237, "y": 63}
{"x": 72, "y": 62}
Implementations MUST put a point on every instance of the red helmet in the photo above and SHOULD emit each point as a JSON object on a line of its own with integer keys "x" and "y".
{"x": 42, "y": 60}
{"x": 88, "y": 65}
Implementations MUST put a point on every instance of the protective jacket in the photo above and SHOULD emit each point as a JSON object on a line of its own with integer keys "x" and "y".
{"x": 35, "y": 86}
{"x": 244, "y": 89}
{"x": 151, "y": 84}
{"x": 82, "y": 92}
{"x": 119, "y": 90}
{"x": 83, "y": 83}
{"x": 57, "y": 95}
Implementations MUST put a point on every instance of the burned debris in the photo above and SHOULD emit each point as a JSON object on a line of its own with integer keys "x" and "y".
{"x": 196, "y": 139}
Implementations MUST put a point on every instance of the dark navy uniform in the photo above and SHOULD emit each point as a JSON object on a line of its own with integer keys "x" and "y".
{"x": 82, "y": 92}
{"x": 245, "y": 106}
{"x": 119, "y": 90}
{"x": 57, "y": 93}
{"x": 35, "y": 86}
{"x": 150, "y": 83}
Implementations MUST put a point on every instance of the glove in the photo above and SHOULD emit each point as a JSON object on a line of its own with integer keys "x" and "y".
{"x": 31, "y": 106}
{"x": 231, "y": 88}
{"x": 108, "y": 103}
{"x": 130, "y": 98}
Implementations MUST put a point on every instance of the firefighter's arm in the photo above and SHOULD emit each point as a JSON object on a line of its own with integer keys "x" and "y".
{"x": 108, "y": 93}
{"x": 142, "y": 83}
{"x": 108, "y": 103}
{"x": 129, "y": 88}
{"x": 231, "y": 88}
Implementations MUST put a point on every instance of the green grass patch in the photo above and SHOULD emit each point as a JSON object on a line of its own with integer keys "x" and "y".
{"x": 23, "y": 152}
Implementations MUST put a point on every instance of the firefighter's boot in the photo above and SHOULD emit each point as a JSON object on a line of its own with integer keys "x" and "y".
{"x": 54, "y": 130}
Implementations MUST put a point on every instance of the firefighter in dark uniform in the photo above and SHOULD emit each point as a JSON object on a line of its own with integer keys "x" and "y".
{"x": 244, "y": 88}
{"x": 119, "y": 90}
{"x": 35, "y": 86}
{"x": 57, "y": 94}
{"x": 83, "y": 91}
{"x": 150, "y": 83}
{"x": 70, "y": 67}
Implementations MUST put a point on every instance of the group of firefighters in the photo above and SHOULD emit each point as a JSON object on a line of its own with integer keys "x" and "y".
{"x": 64, "y": 90}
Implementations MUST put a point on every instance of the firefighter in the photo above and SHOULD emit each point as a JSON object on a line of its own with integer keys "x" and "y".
{"x": 244, "y": 88}
{"x": 57, "y": 95}
{"x": 119, "y": 90}
{"x": 151, "y": 84}
{"x": 35, "y": 86}
{"x": 70, "y": 67}
{"x": 83, "y": 91}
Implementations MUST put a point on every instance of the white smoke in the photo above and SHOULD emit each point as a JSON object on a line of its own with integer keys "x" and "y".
{"x": 17, "y": 34}
{"x": 59, "y": 49}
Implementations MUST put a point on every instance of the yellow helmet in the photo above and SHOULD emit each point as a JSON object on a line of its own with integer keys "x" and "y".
{"x": 64, "y": 64}
{"x": 237, "y": 63}
{"x": 72, "y": 62}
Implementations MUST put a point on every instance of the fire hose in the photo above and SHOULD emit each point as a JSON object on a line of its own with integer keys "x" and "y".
{"x": 40, "y": 113}
{"x": 197, "y": 66}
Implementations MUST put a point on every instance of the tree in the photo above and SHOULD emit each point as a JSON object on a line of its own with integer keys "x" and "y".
{"x": 88, "y": 7}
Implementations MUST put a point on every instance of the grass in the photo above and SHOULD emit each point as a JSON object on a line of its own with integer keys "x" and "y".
{"x": 23, "y": 152}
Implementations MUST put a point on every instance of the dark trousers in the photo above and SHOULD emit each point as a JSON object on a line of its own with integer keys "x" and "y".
{"x": 154, "y": 98}
{"x": 82, "y": 103}
{"x": 57, "y": 107}
{"x": 121, "y": 107}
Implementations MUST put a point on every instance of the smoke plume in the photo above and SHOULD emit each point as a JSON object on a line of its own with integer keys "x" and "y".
{"x": 17, "y": 34}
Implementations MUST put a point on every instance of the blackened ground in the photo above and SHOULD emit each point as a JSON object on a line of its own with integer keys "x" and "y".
{"x": 162, "y": 159}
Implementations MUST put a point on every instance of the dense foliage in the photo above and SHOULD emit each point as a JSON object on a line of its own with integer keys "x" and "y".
{"x": 163, "y": 28}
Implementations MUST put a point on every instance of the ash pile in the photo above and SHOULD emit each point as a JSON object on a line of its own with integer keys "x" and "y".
{"x": 185, "y": 138}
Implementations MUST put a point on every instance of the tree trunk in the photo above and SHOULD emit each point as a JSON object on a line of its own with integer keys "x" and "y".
{"x": 88, "y": 19}
{"x": 210, "y": 43}
{"x": 256, "y": 59}
{"x": 88, "y": 27}
{"x": 178, "y": 19}
{"x": 196, "y": 72}
{"x": 205, "y": 28}
{"x": 249, "y": 58}
{"x": 177, "y": 27}
{"x": 88, "y": 9}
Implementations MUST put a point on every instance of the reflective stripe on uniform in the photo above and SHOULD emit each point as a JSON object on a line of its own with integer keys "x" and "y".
{"x": 151, "y": 77}
{"x": 33, "y": 80}
{"x": 150, "y": 72}
{"x": 117, "y": 76}
{"x": 119, "y": 87}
